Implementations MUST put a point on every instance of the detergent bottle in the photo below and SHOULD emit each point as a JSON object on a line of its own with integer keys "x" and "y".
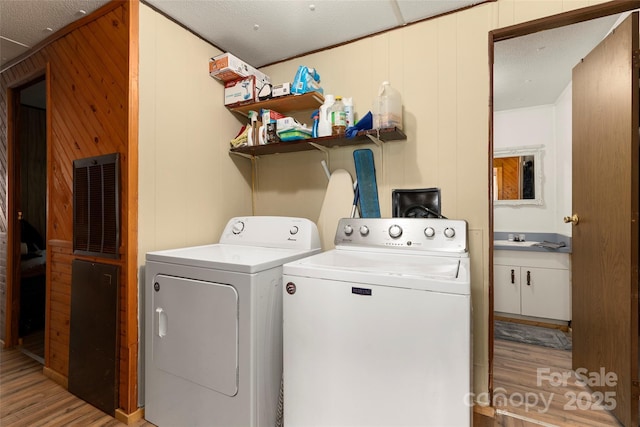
{"x": 324, "y": 120}
{"x": 387, "y": 108}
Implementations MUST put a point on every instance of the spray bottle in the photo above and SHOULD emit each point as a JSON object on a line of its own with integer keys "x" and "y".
{"x": 324, "y": 120}
{"x": 315, "y": 116}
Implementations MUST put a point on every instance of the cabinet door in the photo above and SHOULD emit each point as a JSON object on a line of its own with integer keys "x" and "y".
{"x": 506, "y": 287}
{"x": 546, "y": 292}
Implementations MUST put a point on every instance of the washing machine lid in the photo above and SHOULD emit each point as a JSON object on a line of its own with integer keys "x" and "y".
{"x": 429, "y": 273}
{"x": 235, "y": 258}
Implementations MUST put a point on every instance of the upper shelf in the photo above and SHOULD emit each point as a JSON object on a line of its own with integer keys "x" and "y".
{"x": 283, "y": 104}
{"x": 363, "y": 137}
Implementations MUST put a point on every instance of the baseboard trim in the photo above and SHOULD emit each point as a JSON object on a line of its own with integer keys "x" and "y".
{"x": 56, "y": 377}
{"x": 487, "y": 411}
{"x": 129, "y": 418}
{"x": 564, "y": 327}
{"x": 525, "y": 419}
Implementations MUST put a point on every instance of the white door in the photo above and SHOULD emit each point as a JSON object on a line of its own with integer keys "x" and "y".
{"x": 195, "y": 332}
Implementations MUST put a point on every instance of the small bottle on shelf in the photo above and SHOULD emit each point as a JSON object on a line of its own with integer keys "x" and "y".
{"x": 338, "y": 118}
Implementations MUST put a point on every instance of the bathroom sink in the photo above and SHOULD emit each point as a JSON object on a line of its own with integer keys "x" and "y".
{"x": 524, "y": 244}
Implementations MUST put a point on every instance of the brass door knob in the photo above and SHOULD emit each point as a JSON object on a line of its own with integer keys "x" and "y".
{"x": 573, "y": 219}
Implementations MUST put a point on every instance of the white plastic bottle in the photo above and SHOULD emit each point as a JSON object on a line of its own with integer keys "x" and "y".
{"x": 338, "y": 118}
{"x": 348, "y": 109}
{"x": 324, "y": 121}
{"x": 387, "y": 108}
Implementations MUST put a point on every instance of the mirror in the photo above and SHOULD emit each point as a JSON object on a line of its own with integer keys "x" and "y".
{"x": 517, "y": 176}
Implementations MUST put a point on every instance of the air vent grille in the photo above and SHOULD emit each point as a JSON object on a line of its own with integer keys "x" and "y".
{"x": 96, "y": 210}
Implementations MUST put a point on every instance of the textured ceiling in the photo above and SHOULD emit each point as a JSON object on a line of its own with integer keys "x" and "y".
{"x": 24, "y": 23}
{"x": 265, "y": 31}
{"x": 529, "y": 70}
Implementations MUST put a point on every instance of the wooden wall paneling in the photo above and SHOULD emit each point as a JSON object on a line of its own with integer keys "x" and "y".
{"x": 510, "y": 167}
{"x": 104, "y": 94}
{"x": 59, "y": 306}
{"x": 114, "y": 60}
{"x": 74, "y": 108}
{"x": 131, "y": 204}
{"x": 90, "y": 114}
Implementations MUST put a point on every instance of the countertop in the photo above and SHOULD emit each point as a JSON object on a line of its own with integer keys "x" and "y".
{"x": 501, "y": 242}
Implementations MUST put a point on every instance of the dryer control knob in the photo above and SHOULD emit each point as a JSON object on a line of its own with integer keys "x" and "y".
{"x": 395, "y": 231}
{"x": 449, "y": 232}
{"x": 293, "y": 230}
{"x": 429, "y": 232}
{"x": 364, "y": 230}
{"x": 237, "y": 227}
{"x": 348, "y": 230}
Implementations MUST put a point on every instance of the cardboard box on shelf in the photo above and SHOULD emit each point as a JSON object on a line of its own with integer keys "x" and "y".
{"x": 240, "y": 90}
{"x": 281, "y": 90}
{"x": 227, "y": 67}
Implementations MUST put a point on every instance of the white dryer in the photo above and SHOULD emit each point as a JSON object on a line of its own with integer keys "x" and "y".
{"x": 213, "y": 324}
{"x": 377, "y": 332}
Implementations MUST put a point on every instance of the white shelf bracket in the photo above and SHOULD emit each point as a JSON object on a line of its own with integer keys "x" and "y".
{"x": 375, "y": 138}
{"x": 319, "y": 147}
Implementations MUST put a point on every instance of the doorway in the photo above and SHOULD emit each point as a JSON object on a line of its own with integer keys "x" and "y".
{"x": 29, "y": 194}
{"x": 556, "y": 201}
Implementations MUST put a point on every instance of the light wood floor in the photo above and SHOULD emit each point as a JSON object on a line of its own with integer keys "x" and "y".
{"x": 28, "y": 398}
{"x": 515, "y": 374}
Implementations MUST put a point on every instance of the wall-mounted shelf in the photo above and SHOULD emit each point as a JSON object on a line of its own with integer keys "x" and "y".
{"x": 283, "y": 104}
{"x": 363, "y": 137}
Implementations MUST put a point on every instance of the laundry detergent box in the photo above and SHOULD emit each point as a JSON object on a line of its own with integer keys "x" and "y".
{"x": 227, "y": 67}
{"x": 240, "y": 90}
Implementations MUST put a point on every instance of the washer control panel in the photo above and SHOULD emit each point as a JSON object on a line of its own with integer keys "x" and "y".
{"x": 420, "y": 234}
{"x": 271, "y": 231}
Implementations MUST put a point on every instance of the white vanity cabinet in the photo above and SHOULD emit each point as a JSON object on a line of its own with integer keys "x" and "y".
{"x": 536, "y": 284}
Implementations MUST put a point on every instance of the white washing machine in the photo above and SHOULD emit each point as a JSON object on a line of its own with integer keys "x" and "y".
{"x": 377, "y": 332}
{"x": 213, "y": 324}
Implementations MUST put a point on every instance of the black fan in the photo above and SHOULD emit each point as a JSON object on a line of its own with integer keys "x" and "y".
{"x": 418, "y": 203}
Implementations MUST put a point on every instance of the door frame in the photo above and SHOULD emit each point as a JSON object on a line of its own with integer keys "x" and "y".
{"x": 12, "y": 301}
{"x": 518, "y": 30}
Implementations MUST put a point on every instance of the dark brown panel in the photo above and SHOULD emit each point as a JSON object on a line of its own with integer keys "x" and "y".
{"x": 93, "y": 337}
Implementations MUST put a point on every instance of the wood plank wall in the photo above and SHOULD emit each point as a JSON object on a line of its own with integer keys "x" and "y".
{"x": 510, "y": 167}
{"x": 88, "y": 112}
{"x": 58, "y": 314}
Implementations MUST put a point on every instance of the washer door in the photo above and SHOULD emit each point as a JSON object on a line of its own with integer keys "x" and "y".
{"x": 195, "y": 331}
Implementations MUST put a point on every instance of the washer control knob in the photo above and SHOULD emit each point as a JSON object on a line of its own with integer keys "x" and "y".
{"x": 395, "y": 231}
{"x": 348, "y": 230}
{"x": 429, "y": 232}
{"x": 364, "y": 230}
{"x": 293, "y": 230}
{"x": 449, "y": 232}
{"x": 237, "y": 227}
